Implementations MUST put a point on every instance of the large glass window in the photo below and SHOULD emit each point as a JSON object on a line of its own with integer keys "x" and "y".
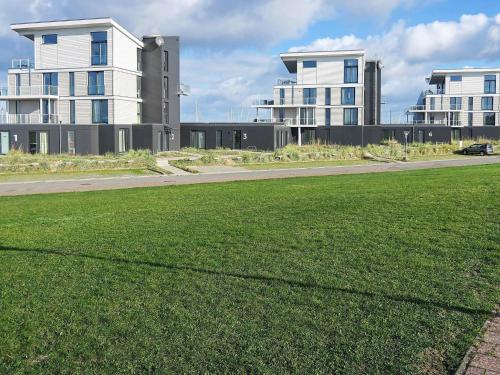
{"x": 328, "y": 116}
{"x": 307, "y": 116}
{"x": 456, "y": 78}
{"x": 281, "y": 114}
{"x": 49, "y": 39}
{"x": 45, "y": 111}
{"x": 432, "y": 103}
{"x": 471, "y": 103}
{"x": 282, "y": 96}
{"x": 71, "y": 84}
{"x": 490, "y": 84}
{"x": 455, "y": 103}
{"x": 470, "y": 117}
{"x": 350, "y": 116}
{"x": 122, "y": 140}
{"x": 99, "y": 111}
{"x": 489, "y": 118}
{"x": 348, "y": 95}
{"x": 71, "y": 142}
{"x": 165, "y": 88}
{"x": 99, "y": 48}
{"x": 351, "y": 71}
{"x": 165, "y": 61}
{"x": 487, "y": 103}
{"x": 309, "y": 96}
{"x": 72, "y": 113}
{"x": 198, "y": 138}
{"x": 219, "y": 134}
{"x": 33, "y": 142}
{"x": 96, "y": 83}
{"x": 328, "y": 96}
{"x": 389, "y": 135}
{"x": 237, "y": 139}
{"x": 309, "y": 64}
{"x": 50, "y": 83}
{"x": 308, "y": 136}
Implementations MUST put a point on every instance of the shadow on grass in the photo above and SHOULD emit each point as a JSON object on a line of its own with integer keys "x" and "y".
{"x": 263, "y": 278}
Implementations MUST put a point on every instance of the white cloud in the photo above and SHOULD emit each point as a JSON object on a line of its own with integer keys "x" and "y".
{"x": 409, "y": 53}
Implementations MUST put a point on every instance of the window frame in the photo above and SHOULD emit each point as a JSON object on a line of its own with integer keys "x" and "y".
{"x": 103, "y": 116}
{"x": 328, "y": 96}
{"x": 487, "y": 100}
{"x": 351, "y": 66}
{"x": 97, "y": 86}
{"x": 486, "y": 115}
{"x": 342, "y": 96}
{"x": 72, "y": 112}
{"x": 490, "y": 84}
{"x": 328, "y": 117}
{"x": 102, "y": 44}
{"x": 309, "y": 64}
{"x": 352, "y": 120}
{"x": 456, "y": 78}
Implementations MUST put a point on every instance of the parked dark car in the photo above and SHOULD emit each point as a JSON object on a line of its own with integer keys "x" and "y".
{"x": 478, "y": 149}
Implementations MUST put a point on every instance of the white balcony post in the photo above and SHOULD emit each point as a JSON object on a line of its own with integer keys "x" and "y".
{"x": 41, "y": 111}
{"x": 299, "y": 137}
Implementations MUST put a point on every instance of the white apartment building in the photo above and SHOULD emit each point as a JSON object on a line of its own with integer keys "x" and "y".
{"x": 460, "y": 97}
{"x": 83, "y": 72}
{"x": 329, "y": 88}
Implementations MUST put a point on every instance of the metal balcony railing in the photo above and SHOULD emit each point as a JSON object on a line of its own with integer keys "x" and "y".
{"x": 28, "y": 118}
{"x": 34, "y": 91}
{"x": 22, "y": 64}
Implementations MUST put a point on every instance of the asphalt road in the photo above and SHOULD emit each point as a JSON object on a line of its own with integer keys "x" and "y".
{"x": 108, "y": 183}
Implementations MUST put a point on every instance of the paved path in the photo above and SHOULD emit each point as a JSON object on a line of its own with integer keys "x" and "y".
{"x": 54, "y": 186}
{"x": 165, "y": 165}
{"x": 484, "y": 358}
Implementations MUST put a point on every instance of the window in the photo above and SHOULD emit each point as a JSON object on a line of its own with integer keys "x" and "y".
{"x": 281, "y": 114}
{"x": 309, "y": 64}
{"x": 198, "y": 138}
{"x": 18, "y": 84}
{"x": 99, "y": 48}
{"x": 165, "y": 61}
{"x": 351, "y": 71}
{"x": 122, "y": 140}
{"x": 45, "y": 111}
{"x": 166, "y": 119}
{"x": 309, "y": 96}
{"x": 471, "y": 103}
{"x": 96, "y": 83}
{"x": 348, "y": 95}
{"x": 489, "y": 118}
{"x": 237, "y": 139}
{"x": 165, "y": 87}
{"x": 49, "y": 39}
{"x": 43, "y": 147}
{"x": 139, "y": 59}
{"x": 456, "y": 78}
{"x": 350, "y": 116}
{"x": 71, "y": 142}
{"x": 456, "y": 134}
{"x": 50, "y": 83}
{"x": 455, "y": 103}
{"x": 328, "y": 116}
{"x": 389, "y": 134}
{"x": 139, "y": 113}
{"x": 470, "y": 118}
{"x": 139, "y": 86}
{"x": 307, "y": 116}
{"x": 432, "y": 104}
{"x": 308, "y": 136}
{"x": 487, "y": 103}
{"x": 71, "y": 84}
{"x": 219, "y": 138}
{"x": 328, "y": 96}
{"x": 33, "y": 144}
{"x": 490, "y": 84}
{"x": 282, "y": 96}
{"x": 72, "y": 116}
{"x": 99, "y": 111}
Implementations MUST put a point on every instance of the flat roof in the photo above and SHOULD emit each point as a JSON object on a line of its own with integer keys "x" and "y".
{"x": 27, "y": 28}
{"x": 290, "y": 58}
{"x": 437, "y": 75}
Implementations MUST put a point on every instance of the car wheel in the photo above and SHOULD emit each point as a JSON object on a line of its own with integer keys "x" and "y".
{"x": 465, "y": 152}
{"x": 481, "y": 153}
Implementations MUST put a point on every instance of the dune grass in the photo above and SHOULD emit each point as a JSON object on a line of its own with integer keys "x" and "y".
{"x": 390, "y": 273}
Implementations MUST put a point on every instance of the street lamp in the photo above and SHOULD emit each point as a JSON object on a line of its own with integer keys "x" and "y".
{"x": 406, "y": 133}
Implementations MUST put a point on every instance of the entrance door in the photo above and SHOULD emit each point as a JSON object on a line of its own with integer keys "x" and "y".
{"x": 237, "y": 139}
{"x": 33, "y": 145}
{"x": 421, "y": 136}
{"x": 4, "y": 143}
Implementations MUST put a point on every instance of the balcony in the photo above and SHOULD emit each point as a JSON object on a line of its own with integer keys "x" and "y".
{"x": 31, "y": 92}
{"x": 444, "y": 122}
{"x": 286, "y": 82}
{"x": 28, "y": 119}
{"x": 22, "y": 64}
{"x": 262, "y": 102}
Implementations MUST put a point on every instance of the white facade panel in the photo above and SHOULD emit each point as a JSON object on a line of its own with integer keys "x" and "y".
{"x": 125, "y": 112}
{"x": 125, "y": 84}
{"x": 124, "y": 51}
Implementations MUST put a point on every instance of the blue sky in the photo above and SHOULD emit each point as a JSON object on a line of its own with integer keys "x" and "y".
{"x": 230, "y": 48}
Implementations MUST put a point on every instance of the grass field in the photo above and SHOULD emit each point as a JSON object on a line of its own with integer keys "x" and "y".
{"x": 377, "y": 273}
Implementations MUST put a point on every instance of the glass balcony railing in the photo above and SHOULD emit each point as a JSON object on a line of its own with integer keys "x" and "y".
{"x": 33, "y": 91}
{"x": 28, "y": 118}
{"x": 95, "y": 89}
{"x": 22, "y": 64}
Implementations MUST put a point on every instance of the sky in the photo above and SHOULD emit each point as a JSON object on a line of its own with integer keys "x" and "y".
{"x": 230, "y": 48}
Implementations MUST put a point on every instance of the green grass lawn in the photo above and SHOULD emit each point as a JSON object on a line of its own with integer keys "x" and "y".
{"x": 377, "y": 273}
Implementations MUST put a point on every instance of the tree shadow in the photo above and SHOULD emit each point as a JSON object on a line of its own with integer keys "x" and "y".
{"x": 263, "y": 278}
